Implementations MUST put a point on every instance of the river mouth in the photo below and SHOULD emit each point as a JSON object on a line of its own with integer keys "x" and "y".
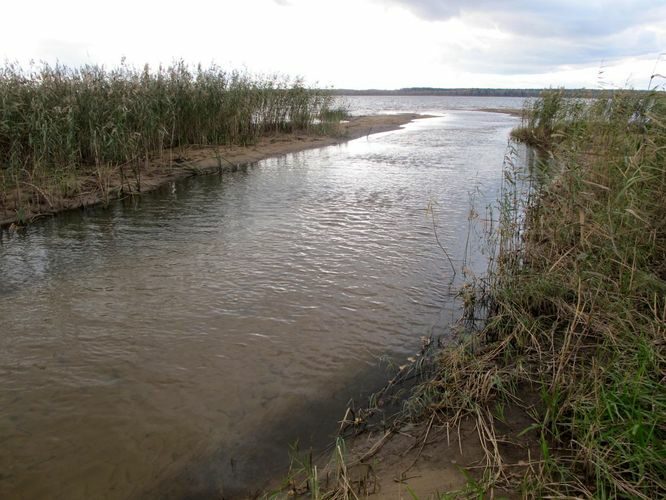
{"x": 188, "y": 327}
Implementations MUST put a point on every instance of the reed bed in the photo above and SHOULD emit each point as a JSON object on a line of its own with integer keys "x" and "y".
{"x": 576, "y": 333}
{"x": 58, "y": 122}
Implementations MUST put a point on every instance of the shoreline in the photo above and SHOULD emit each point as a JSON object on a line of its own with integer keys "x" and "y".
{"x": 507, "y": 111}
{"x": 382, "y": 453}
{"x": 104, "y": 185}
{"x": 494, "y": 414}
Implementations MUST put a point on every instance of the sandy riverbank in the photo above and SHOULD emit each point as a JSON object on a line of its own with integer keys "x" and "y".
{"x": 401, "y": 459}
{"x": 102, "y": 185}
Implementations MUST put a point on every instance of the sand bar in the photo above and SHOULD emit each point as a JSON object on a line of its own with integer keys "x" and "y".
{"x": 100, "y": 186}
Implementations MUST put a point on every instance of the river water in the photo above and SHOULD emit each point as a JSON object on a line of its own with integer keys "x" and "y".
{"x": 175, "y": 344}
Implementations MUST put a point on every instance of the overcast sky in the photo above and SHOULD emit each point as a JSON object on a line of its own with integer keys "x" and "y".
{"x": 357, "y": 43}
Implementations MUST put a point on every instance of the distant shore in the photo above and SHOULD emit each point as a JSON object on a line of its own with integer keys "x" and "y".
{"x": 186, "y": 162}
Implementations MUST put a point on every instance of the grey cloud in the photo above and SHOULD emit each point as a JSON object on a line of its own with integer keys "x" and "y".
{"x": 548, "y": 34}
{"x": 529, "y": 55}
{"x": 549, "y": 18}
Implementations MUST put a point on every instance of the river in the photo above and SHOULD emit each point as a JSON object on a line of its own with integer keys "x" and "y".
{"x": 175, "y": 344}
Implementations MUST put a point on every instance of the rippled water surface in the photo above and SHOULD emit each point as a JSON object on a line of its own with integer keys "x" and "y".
{"x": 371, "y": 105}
{"x": 180, "y": 341}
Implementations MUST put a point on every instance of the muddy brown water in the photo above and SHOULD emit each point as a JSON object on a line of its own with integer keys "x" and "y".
{"x": 174, "y": 345}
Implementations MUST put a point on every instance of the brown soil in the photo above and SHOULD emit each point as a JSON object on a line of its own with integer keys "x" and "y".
{"x": 101, "y": 185}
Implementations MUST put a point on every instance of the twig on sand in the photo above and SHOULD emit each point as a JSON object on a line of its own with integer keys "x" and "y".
{"x": 423, "y": 443}
{"x": 375, "y": 448}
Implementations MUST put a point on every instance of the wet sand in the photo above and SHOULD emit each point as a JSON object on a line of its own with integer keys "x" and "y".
{"x": 106, "y": 184}
{"x": 507, "y": 111}
{"x": 424, "y": 459}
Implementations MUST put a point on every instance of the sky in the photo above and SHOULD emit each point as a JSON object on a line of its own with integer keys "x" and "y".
{"x": 384, "y": 44}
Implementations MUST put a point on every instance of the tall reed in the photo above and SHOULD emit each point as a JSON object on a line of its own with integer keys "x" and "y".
{"x": 57, "y": 120}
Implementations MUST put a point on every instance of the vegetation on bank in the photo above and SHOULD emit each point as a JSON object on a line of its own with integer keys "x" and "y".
{"x": 58, "y": 123}
{"x": 576, "y": 303}
{"x": 575, "y": 315}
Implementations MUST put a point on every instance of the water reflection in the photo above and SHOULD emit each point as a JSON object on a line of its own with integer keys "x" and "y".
{"x": 225, "y": 315}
